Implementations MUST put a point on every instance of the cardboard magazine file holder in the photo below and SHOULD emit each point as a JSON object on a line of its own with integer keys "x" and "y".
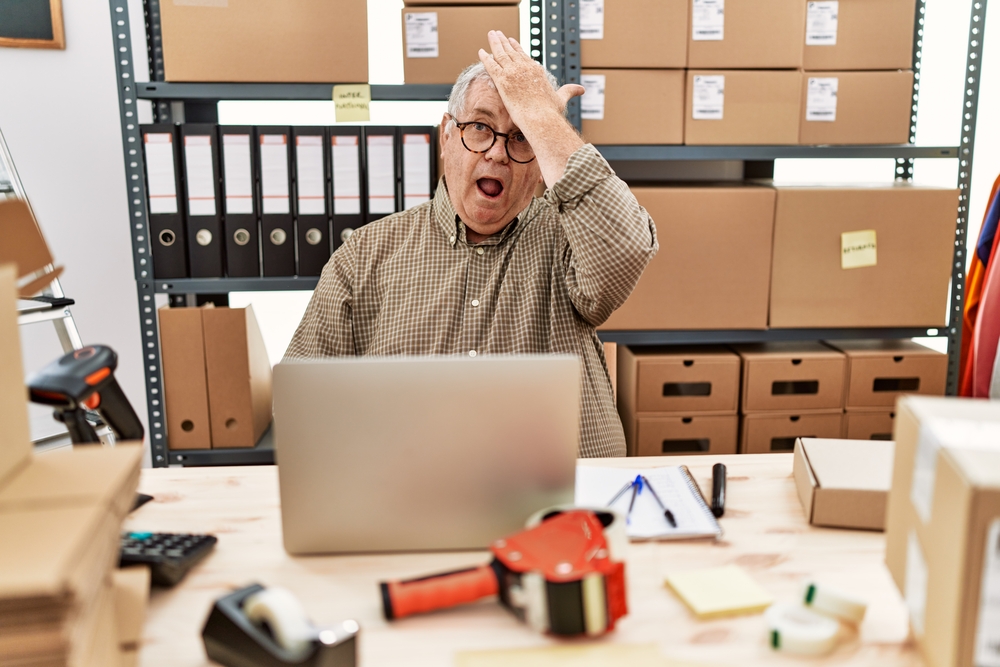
{"x": 238, "y": 375}
{"x": 185, "y": 386}
{"x": 22, "y": 244}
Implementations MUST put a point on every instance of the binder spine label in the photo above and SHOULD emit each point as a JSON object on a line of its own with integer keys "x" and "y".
{"x": 346, "y": 175}
{"x": 310, "y": 177}
{"x": 239, "y": 173}
{"x": 416, "y": 169}
{"x": 274, "y": 173}
{"x": 200, "y": 175}
{"x": 162, "y": 184}
{"x": 381, "y": 175}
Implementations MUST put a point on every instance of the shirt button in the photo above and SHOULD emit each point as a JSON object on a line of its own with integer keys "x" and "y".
{"x": 451, "y": 239}
{"x": 475, "y": 302}
{"x": 472, "y": 353}
{"x": 479, "y": 251}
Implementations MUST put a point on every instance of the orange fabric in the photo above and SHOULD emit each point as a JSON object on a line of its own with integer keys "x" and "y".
{"x": 975, "y": 282}
{"x": 984, "y": 345}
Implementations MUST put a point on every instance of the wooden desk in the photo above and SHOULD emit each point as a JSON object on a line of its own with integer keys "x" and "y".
{"x": 765, "y": 532}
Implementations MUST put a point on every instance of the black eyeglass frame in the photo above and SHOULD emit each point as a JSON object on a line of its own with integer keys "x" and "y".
{"x": 506, "y": 139}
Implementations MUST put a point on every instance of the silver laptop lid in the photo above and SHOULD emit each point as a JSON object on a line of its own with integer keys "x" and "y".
{"x": 415, "y": 453}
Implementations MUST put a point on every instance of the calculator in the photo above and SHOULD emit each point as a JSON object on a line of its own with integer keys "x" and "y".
{"x": 168, "y": 555}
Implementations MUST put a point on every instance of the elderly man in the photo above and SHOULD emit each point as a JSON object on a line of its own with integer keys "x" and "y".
{"x": 485, "y": 268}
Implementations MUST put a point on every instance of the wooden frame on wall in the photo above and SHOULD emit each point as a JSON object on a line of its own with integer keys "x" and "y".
{"x": 32, "y": 24}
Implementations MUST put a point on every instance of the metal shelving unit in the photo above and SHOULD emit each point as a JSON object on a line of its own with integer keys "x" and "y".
{"x": 553, "y": 41}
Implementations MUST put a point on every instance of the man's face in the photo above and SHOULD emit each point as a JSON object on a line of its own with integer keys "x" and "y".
{"x": 488, "y": 189}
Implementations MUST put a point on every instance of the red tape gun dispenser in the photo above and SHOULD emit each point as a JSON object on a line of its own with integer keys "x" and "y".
{"x": 563, "y": 574}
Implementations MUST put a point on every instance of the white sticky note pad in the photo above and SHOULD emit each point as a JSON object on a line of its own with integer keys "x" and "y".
{"x": 346, "y": 175}
{"x": 237, "y": 173}
{"x": 708, "y": 20}
{"x": 821, "y": 23}
{"x": 719, "y": 591}
{"x": 821, "y": 99}
{"x": 274, "y": 173}
{"x": 858, "y": 249}
{"x": 160, "y": 177}
{"x": 421, "y": 34}
{"x": 592, "y": 102}
{"x": 591, "y": 19}
{"x": 708, "y": 97}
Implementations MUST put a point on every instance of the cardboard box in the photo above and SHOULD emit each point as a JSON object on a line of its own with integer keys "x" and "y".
{"x": 756, "y": 34}
{"x": 130, "y": 588}
{"x": 867, "y": 256}
{"x": 635, "y": 33}
{"x": 867, "y": 34}
{"x": 679, "y": 380}
{"x": 943, "y": 527}
{"x": 185, "y": 388}
{"x": 424, "y": 3}
{"x": 239, "y": 377}
{"x": 16, "y": 449}
{"x": 655, "y": 435}
{"x": 881, "y": 371}
{"x": 792, "y": 376}
{"x": 712, "y": 270}
{"x": 835, "y": 490}
{"x": 856, "y": 107}
{"x": 439, "y": 56}
{"x": 639, "y": 106}
{"x": 25, "y": 248}
{"x": 320, "y": 41}
{"x": 766, "y": 432}
{"x": 753, "y": 107}
{"x": 876, "y": 425}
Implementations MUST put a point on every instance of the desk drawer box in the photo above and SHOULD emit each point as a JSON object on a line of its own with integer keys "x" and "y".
{"x": 679, "y": 380}
{"x": 656, "y": 435}
{"x": 876, "y": 425}
{"x": 799, "y": 376}
{"x": 881, "y": 371}
{"x": 777, "y": 432}
{"x": 712, "y": 270}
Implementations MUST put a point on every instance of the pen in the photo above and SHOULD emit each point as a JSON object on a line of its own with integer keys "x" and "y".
{"x": 636, "y": 485}
{"x": 718, "y": 489}
{"x": 666, "y": 513}
{"x": 618, "y": 495}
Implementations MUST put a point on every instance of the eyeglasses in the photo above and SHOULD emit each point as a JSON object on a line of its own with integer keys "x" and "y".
{"x": 480, "y": 137}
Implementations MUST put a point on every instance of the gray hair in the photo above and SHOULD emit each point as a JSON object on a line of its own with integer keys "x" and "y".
{"x": 471, "y": 74}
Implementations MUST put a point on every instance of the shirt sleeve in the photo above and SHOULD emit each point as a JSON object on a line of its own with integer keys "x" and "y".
{"x": 326, "y": 329}
{"x": 610, "y": 237}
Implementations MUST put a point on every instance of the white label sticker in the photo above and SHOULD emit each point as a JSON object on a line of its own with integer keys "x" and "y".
{"x": 274, "y": 173}
{"x": 821, "y": 98}
{"x": 591, "y": 19}
{"x": 346, "y": 175}
{"x": 200, "y": 174}
{"x": 709, "y": 97}
{"x": 915, "y": 586}
{"x": 309, "y": 177}
{"x": 416, "y": 169}
{"x": 237, "y": 173}
{"x": 988, "y": 633}
{"x": 421, "y": 35}
{"x": 160, "y": 179}
{"x": 708, "y": 19}
{"x": 381, "y": 174}
{"x": 953, "y": 434}
{"x": 592, "y": 102}
{"x": 821, "y": 23}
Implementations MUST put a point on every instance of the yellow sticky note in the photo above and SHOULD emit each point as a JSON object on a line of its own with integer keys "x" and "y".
{"x": 587, "y": 655}
{"x": 352, "y": 102}
{"x": 858, "y": 249}
{"x": 719, "y": 591}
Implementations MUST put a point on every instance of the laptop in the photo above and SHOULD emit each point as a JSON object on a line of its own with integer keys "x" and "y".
{"x": 421, "y": 453}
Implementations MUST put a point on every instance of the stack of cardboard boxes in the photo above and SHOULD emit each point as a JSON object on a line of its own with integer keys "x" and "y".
{"x": 678, "y": 400}
{"x": 443, "y": 37}
{"x": 757, "y": 71}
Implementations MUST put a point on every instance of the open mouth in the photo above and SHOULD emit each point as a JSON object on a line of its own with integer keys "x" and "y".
{"x": 490, "y": 187}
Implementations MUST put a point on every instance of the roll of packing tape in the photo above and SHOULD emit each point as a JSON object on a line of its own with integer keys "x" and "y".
{"x": 286, "y": 618}
{"x": 834, "y": 603}
{"x": 794, "y": 629}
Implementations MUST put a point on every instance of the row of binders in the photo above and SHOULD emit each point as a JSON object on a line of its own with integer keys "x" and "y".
{"x": 243, "y": 201}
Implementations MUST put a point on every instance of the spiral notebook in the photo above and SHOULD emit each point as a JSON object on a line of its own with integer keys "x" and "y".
{"x": 596, "y": 486}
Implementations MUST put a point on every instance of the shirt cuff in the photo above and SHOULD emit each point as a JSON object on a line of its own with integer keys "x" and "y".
{"x": 585, "y": 169}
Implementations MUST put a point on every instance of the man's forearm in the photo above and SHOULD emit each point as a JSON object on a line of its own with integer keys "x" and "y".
{"x": 554, "y": 140}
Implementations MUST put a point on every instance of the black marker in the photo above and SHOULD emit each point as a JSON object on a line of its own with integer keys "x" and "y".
{"x": 718, "y": 489}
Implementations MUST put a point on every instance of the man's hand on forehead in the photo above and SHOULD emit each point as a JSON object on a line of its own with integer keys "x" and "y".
{"x": 522, "y": 83}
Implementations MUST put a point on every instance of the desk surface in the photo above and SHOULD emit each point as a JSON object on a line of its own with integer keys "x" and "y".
{"x": 765, "y": 532}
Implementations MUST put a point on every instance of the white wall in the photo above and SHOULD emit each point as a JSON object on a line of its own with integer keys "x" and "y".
{"x": 59, "y": 114}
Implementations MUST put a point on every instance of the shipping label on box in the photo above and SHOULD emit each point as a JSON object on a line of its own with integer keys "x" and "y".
{"x": 915, "y": 591}
{"x": 708, "y": 19}
{"x": 421, "y": 35}
{"x": 592, "y": 102}
{"x": 591, "y": 19}
{"x": 821, "y": 23}
{"x": 821, "y": 99}
{"x": 709, "y": 97}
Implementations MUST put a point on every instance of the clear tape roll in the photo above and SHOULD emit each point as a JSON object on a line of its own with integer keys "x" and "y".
{"x": 285, "y": 617}
{"x": 834, "y": 603}
{"x": 794, "y": 629}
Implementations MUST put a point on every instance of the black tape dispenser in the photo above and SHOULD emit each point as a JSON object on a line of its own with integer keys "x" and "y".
{"x": 267, "y": 627}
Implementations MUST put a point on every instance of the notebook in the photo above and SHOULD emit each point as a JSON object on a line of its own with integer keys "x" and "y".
{"x": 596, "y": 486}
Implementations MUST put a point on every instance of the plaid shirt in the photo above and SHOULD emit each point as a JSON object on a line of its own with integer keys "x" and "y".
{"x": 410, "y": 284}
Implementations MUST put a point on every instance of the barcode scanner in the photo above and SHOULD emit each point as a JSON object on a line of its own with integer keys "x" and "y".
{"x": 85, "y": 379}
